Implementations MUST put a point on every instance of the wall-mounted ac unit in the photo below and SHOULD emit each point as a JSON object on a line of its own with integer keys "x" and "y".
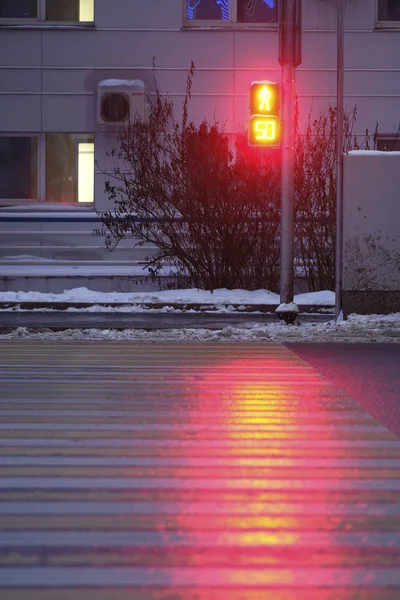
{"x": 120, "y": 101}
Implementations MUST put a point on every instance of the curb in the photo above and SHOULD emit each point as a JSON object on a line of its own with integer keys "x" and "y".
{"x": 240, "y": 308}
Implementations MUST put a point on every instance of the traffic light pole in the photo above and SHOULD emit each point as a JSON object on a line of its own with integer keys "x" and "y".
{"x": 287, "y": 186}
{"x": 289, "y": 59}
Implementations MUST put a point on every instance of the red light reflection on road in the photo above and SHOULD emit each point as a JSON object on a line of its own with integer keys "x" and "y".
{"x": 244, "y": 408}
{"x": 252, "y": 394}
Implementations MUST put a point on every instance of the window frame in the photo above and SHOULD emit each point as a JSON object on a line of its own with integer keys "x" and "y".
{"x": 41, "y": 171}
{"x": 231, "y": 24}
{"x": 42, "y": 21}
{"x": 379, "y": 24}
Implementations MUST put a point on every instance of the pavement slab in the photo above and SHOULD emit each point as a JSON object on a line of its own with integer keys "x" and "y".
{"x": 183, "y": 471}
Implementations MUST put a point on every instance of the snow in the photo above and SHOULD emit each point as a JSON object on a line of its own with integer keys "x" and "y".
{"x": 27, "y": 258}
{"x": 64, "y": 268}
{"x": 183, "y": 296}
{"x": 264, "y": 81}
{"x": 322, "y": 298}
{"x": 372, "y": 153}
{"x": 129, "y": 83}
{"x": 291, "y": 307}
{"x": 357, "y": 329}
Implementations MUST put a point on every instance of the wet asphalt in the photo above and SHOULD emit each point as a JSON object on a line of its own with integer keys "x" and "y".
{"x": 369, "y": 373}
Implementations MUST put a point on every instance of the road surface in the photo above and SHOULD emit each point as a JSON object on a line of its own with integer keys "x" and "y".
{"x": 190, "y": 471}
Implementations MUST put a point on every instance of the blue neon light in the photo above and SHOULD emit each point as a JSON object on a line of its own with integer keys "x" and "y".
{"x": 191, "y": 6}
{"x": 224, "y": 4}
{"x": 190, "y": 9}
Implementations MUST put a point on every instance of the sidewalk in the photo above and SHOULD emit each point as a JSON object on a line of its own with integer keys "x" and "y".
{"x": 165, "y": 310}
{"x": 190, "y": 471}
{"x": 153, "y": 319}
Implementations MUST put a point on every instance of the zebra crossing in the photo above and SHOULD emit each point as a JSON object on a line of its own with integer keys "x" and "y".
{"x": 190, "y": 471}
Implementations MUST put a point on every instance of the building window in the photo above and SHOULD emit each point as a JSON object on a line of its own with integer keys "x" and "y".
{"x": 388, "y": 144}
{"x": 257, "y": 11}
{"x": 53, "y": 168}
{"x": 18, "y": 167}
{"x": 69, "y": 167}
{"x": 388, "y": 12}
{"x": 69, "y": 11}
{"x": 225, "y": 12}
{"x": 18, "y": 9}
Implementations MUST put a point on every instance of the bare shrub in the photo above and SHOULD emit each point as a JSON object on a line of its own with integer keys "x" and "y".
{"x": 181, "y": 189}
{"x": 315, "y": 195}
{"x": 214, "y": 217}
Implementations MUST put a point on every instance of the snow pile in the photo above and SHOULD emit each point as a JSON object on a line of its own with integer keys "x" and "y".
{"x": 287, "y": 308}
{"x": 358, "y": 328}
{"x": 185, "y": 296}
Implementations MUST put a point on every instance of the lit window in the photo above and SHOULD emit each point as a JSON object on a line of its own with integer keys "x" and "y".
{"x": 389, "y": 11}
{"x": 85, "y": 172}
{"x": 66, "y": 172}
{"x": 233, "y": 11}
{"x": 86, "y": 10}
{"x": 69, "y": 167}
{"x": 18, "y": 168}
{"x": 72, "y": 11}
{"x": 69, "y": 10}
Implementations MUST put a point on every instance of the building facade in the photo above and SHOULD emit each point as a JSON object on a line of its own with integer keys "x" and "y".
{"x": 59, "y": 57}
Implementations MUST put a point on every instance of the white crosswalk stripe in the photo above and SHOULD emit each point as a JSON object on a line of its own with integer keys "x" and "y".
{"x": 190, "y": 471}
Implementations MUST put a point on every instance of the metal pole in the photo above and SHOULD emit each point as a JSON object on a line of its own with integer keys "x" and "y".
{"x": 288, "y": 133}
{"x": 339, "y": 159}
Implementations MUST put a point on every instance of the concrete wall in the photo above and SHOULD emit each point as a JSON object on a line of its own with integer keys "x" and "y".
{"x": 371, "y": 269}
{"x": 48, "y": 75}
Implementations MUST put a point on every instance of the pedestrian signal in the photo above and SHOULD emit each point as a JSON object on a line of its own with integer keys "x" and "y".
{"x": 264, "y": 129}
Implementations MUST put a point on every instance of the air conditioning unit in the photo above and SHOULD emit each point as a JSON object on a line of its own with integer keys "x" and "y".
{"x": 120, "y": 101}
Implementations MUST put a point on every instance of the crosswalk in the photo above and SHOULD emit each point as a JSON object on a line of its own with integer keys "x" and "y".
{"x": 190, "y": 471}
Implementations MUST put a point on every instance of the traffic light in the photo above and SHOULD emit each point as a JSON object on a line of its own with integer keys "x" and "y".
{"x": 264, "y": 128}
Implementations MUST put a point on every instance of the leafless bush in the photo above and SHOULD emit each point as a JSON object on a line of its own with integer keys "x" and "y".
{"x": 181, "y": 190}
{"x": 214, "y": 217}
{"x": 315, "y": 194}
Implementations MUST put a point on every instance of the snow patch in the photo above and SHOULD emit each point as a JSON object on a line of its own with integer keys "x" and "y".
{"x": 372, "y": 153}
{"x": 290, "y": 307}
{"x": 221, "y": 296}
{"x": 128, "y": 83}
{"x": 357, "y": 329}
